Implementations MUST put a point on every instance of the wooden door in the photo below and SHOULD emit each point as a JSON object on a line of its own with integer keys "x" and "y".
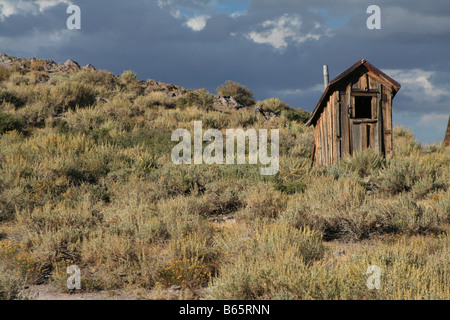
{"x": 364, "y": 132}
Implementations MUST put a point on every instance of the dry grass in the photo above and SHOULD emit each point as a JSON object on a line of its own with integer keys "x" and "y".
{"x": 91, "y": 183}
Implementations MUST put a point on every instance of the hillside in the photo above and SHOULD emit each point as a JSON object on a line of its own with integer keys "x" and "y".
{"x": 86, "y": 179}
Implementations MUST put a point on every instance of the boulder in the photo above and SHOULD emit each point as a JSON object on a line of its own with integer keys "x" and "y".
{"x": 89, "y": 67}
{"x": 267, "y": 114}
{"x": 225, "y": 103}
{"x": 4, "y": 59}
{"x": 50, "y": 66}
{"x": 177, "y": 93}
{"x": 72, "y": 65}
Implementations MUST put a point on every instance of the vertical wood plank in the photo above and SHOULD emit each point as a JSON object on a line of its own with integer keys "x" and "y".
{"x": 380, "y": 122}
{"x": 325, "y": 134}
{"x": 356, "y": 138}
{"x": 372, "y": 136}
{"x": 373, "y": 84}
{"x": 387, "y": 117}
{"x": 363, "y": 82}
{"x": 337, "y": 127}
{"x": 391, "y": 142}
{"x": 374, "y": 107}
{"x": 349, "y": 105}
{"x": 317, "y": 145}
{"x": 375, "y": 134}
{"x": 330, "y": 131}
{"x": 321, "y": 142}
{"x": 363, "y": 136}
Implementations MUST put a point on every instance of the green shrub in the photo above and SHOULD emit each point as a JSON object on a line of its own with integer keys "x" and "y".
{"x": 9, "y": 123}
{"x": 96, "y": 78}
{"x": 413, "y": 174}
{"x": 129, "y": 76}
{"x": 69, "y": 95}
{"x": 263, "y": 203}
{"x": 239, "y": 92}
{"x": 268, "y": 264}
{"x": 405, "y": 143}
{"x": 7, "y": 96}
{"x": 4, "y": 73}
{"x": 298, "y": 115}
{"x": 198, "y": 98}
{"x": 290, "y": 187}
{"x": 363, "y": 163}
{"x": 11, "y": 286}
{"x": 274, "y": 105}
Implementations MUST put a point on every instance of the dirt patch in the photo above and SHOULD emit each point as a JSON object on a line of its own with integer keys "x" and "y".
{"x": 49, "y": 292}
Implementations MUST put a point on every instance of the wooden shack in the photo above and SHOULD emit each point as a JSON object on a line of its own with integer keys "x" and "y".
{"x": 447, "y": 135}
{"x": 354, "y": 114}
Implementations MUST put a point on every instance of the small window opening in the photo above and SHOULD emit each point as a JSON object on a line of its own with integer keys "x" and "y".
{"x": 363, "y": 107}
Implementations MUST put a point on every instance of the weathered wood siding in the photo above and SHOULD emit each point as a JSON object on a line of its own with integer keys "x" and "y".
{"x": 447, "y": 135}
{"x": 338, "y": 133}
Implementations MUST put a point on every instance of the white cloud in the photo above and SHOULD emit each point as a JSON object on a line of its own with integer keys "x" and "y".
{"x": 237, "y": 14}
{"x": 45, "y": 4}
{"x": 300, "y": 92}
{"x": 434, "y": 119}
{"x": 24, "y": 7}
{"x": 416, "y": 83}
{"x": 193, "y": 19}
{"x": 197, "y": 23}
{"x": 36, "y": 39}
{"x": 282, "y": 30}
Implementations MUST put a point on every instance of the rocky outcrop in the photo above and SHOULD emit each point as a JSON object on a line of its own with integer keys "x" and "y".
{"x": 221, "y": 103}
{"x": 267, "y": 114}
{"x": 230, "y": 102}
{"x": 72, "y": 65}
{"x": 5, "y": 59}
{"x": 88, "y": 67}
{"x": 177, "y": 93}
{"x": 226, "y": 103}
{"x": 48, "y": 66}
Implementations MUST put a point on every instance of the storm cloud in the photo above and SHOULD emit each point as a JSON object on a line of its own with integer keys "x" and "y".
{"x": 274, "y": 47}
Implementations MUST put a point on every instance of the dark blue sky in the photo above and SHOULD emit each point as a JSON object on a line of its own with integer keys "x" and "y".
{"x": 275, "y": 47}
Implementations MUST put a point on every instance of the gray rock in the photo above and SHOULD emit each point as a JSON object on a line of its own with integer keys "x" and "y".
{"x": 339, "y": 253}
{"x": 230, "y": 102}
{"x": 265, "y": 113}
{"x": 89, "y": 67}
{"x": 177, "y": 93}
{"x": 4, "y": 58}
{"x": 175, "y": 288}
{"x": 102, "y": 100}
{"x": 72, "y": 65}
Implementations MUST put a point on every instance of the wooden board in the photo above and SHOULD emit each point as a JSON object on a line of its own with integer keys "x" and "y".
{"x": 363, "y": 136}
{"x": 380, "y": 137}
{"x": 356, "y": 138}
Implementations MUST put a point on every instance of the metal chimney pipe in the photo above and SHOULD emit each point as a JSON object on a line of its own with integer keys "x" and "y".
{"x": 326, "y": 78}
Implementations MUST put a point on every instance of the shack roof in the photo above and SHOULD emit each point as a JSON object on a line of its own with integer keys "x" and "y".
{"x": 394, "y": 85}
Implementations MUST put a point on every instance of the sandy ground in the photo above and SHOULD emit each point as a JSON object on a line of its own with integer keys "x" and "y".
{"x": 48, "y": 292}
